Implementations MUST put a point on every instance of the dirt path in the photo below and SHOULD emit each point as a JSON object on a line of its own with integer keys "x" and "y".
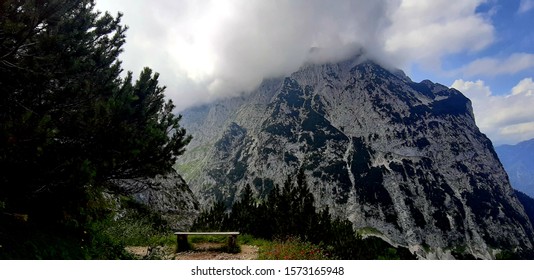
{"x": 201, "y": 251}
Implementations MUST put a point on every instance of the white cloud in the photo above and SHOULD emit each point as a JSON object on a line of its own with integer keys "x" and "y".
{"x": 506, "y": 119}
{"x": 491, "y": 67}
{"x": 525, "y": 86}
{"x": 424, "y": 31}
{"x": 207, "y": 49}
{"x": 475, "y": 89}
{"x": 525, "y": 6}
{"x": 213, "y": 48}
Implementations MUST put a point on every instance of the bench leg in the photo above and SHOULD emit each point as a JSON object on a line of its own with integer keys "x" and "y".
{"x": 232, "y": 243}
{"x": 183, "y": 245}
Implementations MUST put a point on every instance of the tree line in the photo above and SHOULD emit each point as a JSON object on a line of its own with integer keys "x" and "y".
{"x": 289, "y": 211}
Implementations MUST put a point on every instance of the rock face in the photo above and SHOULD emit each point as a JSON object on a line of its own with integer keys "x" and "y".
{"x": 518, "y": 161}
{"x": 402, "y": 157}
{"x": 169, "y": 196}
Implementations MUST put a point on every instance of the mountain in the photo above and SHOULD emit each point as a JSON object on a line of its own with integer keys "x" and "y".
{"x": 403, "y": 158}
{"x": 528, "y": 204}
{"x": 167, "y": 195}
{"x": 518, "y": 161}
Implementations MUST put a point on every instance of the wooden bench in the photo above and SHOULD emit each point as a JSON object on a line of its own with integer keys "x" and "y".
{"x": 183, "y": 245}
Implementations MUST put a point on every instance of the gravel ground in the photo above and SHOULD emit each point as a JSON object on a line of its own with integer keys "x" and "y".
{"x": 201, "y": 251}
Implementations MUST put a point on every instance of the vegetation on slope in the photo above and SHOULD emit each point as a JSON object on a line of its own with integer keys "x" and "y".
{"x": 288, "y": 216}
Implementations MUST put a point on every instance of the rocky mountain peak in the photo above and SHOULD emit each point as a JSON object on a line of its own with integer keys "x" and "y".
{"x": 403, "y": 158}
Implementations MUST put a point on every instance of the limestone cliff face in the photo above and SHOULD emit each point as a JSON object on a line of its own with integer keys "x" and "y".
{"x": 402, "y": 157}
{"x": 167, "y": 195}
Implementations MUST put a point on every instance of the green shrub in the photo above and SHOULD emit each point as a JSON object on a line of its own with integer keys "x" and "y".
{"x": 27, "y": 240}
{"x": 137, "y": 226}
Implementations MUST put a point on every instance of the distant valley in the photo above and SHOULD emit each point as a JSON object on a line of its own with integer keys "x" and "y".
{"x": 518, "y": 161}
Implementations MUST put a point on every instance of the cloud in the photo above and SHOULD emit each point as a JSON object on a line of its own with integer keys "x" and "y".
{"x": 210, "y": 49}
{"x": 525, "y": 86}
{"x": 525, "y": 6}
{"x": 506, "y": 119}
{"x": 273, "y": 38}
{"x": 425, "y": 31}
{"x": 491, "y": 67}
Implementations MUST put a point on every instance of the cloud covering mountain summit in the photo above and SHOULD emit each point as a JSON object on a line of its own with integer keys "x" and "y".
{"x": 210, "y": 49}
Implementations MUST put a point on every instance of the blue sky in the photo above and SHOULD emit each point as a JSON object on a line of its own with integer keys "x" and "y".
{"x": 211, "y": 49}
{"x": 502, "y": 91}
{"x": 514, "y": 33}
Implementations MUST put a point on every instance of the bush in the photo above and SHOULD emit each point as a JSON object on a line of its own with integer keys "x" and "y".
{"x": 137, "y": 226}
{"x": 26, "y": 240}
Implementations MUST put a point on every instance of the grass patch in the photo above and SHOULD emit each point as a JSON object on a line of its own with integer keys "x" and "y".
{"x": 190, "y": 168}
{"x": 247, "y": 239}
{"x": 368, "y": 231}
{"x": 292, "y": 249}
{"x": 207, "y": 239}
{"x": 135, "y": 233}
{"x": 193, "y": 241}
{"x": 138, "y": 226}
{"x": 193, "y": 167}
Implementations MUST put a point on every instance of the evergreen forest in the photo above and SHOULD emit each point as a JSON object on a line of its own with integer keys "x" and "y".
{"x": 288, "y": 213}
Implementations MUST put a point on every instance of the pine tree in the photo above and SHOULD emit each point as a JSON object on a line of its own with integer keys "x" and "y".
{"x": 244, "y": 212}
{"x": 304, "y": 206}
{"x": 69, "y": 123}
{"x": 213, "y": 219}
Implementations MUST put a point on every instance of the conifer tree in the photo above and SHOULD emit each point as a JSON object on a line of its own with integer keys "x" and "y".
{"x": 304, "y": 206}
{"x": 69, "y": 123}
{"x": 244, "y": 212}
{"x": 214, "y": 219}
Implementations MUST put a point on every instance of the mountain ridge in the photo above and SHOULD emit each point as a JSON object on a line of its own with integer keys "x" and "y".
{"x": 383, "y": 151}
{"x": 518, "y": 161}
